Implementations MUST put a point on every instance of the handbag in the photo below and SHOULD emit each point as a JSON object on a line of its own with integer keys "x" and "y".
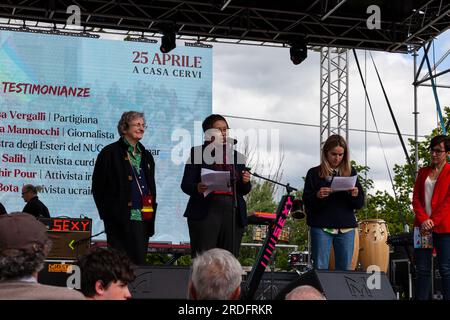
{"x": 147, "y": 207}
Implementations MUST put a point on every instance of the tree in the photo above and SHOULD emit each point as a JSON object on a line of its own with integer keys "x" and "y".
{"x": 396, "y": 209}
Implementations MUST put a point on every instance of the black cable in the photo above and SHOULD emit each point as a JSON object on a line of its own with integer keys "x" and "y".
{"x": 312, "y": 125}
{"x": 375, "y": 122}
{"x": 394, "y": 120}
{"x": 402, "y": 216}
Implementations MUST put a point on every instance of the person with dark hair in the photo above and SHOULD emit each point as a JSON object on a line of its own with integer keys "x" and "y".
{"x": 431, "y": 205}
{"x": 331, "y": 215}
{"x": 24, "y": 245}
{"x": 34, "y": 206}
{"x": 105, "y": 274}
{"x": 124, "y": 189}
{"x": 2, "y": 209}
{"x": 210, "y": 220}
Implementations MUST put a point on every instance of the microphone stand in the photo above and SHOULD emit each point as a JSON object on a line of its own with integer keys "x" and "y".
{"x": 229, "y": 149}
{"x": 268, "y": 248}
{"x": 289, "y": 189}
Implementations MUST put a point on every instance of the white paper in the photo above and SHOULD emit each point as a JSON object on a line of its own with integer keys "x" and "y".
{"x": 215, "y": 180}
{"x": 343, "y": 183}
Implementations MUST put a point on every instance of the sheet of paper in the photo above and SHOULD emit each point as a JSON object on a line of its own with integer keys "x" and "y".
{"x": 215, "y": 180}
{"x": 343, "y": 183}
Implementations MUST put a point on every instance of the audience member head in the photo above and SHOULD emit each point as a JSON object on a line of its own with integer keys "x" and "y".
{"x": 305, "y": 292}
{"x": 216, "y": 275}
{"x": 24, "y": 245}
{"x": 105, "y": 274}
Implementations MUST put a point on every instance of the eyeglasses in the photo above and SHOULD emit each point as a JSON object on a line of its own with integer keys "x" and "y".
{"x": 25, "y": 192}
{"x": 437, "y": 151}
{"x": 223, "y": 130}
{"x": 139, "y": 125}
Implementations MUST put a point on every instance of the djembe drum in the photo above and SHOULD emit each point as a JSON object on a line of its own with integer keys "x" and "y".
{"x": 374, "y": 250}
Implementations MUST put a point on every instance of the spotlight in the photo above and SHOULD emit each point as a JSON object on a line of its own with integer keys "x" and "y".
{"x": 298, "y": 52}
{"x": 168, "y": 42}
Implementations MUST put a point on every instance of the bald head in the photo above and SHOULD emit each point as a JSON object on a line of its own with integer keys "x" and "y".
{"x": 305, "y": 293}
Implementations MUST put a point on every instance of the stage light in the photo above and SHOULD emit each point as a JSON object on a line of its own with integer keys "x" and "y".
{"x": 298, "y": 52}
{"x": 168, "y": 42}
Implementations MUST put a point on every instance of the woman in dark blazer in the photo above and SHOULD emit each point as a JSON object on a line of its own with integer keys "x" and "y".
{"x": 210, "y": 220}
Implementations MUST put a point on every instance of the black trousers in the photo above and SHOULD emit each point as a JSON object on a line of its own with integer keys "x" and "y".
{"x": 216, "y": 229}
{"x": 131, "y": 239}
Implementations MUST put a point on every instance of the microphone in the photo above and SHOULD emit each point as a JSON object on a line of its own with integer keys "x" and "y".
{"x": 297, "y": 210}
{"x": 333, "y": 174}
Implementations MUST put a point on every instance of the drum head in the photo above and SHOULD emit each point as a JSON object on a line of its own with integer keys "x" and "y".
{"x": 372, "y": 221}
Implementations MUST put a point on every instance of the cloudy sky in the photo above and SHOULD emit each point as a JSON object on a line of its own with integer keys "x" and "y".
{"x": 261, "y": 82}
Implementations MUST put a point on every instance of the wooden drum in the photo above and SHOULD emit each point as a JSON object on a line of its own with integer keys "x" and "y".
{"x": 374, "y": 250}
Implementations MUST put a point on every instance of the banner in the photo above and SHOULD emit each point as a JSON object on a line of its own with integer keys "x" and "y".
{"x": 61, "y": 98}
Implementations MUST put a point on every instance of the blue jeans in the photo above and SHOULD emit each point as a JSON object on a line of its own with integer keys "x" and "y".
{"x": 343, "y": 244}
{"x": 423, "y": 267}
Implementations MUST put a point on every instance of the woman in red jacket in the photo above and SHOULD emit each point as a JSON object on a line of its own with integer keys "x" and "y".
{"x": 431, "y": 204}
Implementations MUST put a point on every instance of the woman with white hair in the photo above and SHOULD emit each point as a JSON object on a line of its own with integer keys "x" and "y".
{"x": 216, "y": 275}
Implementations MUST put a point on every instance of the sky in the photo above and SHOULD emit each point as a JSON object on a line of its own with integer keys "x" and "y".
{"x": 261, "y": 82}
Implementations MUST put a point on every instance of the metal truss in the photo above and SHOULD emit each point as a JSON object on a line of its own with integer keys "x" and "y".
{"x": 333, "y": 93}
{"x": 405, "y": 25}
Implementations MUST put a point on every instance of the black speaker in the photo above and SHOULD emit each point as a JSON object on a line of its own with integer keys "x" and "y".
{"x": 271, "y": 284}
{"x": 160, "y": 282}
{"x": 344, "y": 285}
{"x": 70, "y": 237}
{"x": 54, "y": 272}
{"x": 400, "y": 275}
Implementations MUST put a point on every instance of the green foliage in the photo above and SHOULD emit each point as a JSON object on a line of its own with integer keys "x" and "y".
{"x": 261, "y": 197}
{"x": 395, "y": 209}
{"x": 156, "y": 259}
{"x": 159, "y": 259}
{"x": 184, "y": 261}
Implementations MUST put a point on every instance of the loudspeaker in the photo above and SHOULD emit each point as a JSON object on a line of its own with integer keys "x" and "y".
{"x": 345, "y": 285}
{"x": 70, "y": 237}
{"x": 271, "y": 284}
{"x": 401, "y": 278}
{"x": 54, "y": 273}
{"x": 160, "y": 282}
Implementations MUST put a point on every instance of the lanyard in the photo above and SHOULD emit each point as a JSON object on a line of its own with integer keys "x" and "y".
{"x": 135, "y": 176}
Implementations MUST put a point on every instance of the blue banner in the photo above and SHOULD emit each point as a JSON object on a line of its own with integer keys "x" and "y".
{"x": 61, "y": 98}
